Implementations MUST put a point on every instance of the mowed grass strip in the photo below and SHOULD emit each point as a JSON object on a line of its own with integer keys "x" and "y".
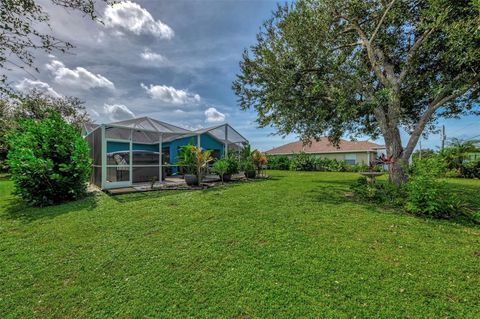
{"x": 292, "y": 246}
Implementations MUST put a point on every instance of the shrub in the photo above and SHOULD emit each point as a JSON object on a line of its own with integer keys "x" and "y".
{"x": 306, "y": 162}
{"x": 359, "y": 167}
{"x": 49, "y": 161}
{"x": 471, "y": 169}
{"x": 246, "y": 152}
{"x": 331, "y": 165}
{"x": 247, "y": 166}
{"x": 186, "y": 158}
{"x": 379, "y": 192}
{"x": 302, "y": 162}
{"x": 279, "y": 162}
{"x": 233, "y": 164}
{"x": 426, "y": 194}
{"x": 453, "y": 173}
{"x": 220, "y": 167}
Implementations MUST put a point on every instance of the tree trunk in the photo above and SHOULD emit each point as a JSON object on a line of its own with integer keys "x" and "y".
{"x": 393, "y": 143}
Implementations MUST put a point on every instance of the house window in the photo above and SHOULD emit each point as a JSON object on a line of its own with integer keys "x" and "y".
{"x": 351, "y": 159}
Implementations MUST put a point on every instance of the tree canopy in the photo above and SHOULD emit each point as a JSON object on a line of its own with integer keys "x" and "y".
{"x": 21, "y": 32}
{"x": 37, "y": 106}
{"x": 336, "y": 67}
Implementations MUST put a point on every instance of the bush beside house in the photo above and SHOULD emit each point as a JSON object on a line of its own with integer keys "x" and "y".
{"x": 49, "y": 161}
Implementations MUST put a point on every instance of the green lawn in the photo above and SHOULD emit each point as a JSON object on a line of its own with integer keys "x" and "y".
{"x": 289, "y": 247}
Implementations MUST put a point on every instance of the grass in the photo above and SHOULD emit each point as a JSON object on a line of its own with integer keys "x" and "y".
{"x": 289, "y": 247}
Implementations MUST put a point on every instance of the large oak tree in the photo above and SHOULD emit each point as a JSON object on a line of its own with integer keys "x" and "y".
{"x": 364, "y": 67}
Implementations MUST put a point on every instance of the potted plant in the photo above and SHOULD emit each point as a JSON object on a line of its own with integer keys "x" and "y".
{"x": 220, "y": 167}
{"x": 202, "y": 158}
{"x": 188, "y": 161}
{"x": 259, "y": 160}
{"x": 232, "y": 168}
{"x": 248, "y": 168}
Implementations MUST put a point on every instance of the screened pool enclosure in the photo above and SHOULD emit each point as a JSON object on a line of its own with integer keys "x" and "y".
{"x": 142, "y": 149}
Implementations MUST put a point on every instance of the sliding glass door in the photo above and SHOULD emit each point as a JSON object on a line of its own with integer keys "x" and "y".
{"x": 119, "y": 157}
{"x": 146, "y": 162}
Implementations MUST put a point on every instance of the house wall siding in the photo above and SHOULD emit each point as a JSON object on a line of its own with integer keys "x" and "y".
{"x": 206, "y": 142}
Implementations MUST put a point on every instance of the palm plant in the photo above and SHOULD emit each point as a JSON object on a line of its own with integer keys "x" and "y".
{"x": 202, "y": 158}
{"x": 259, "y": 159}
{"x": 187, "y": 158}
{"x": 245, "y": 153}
{"x": 221, "y": 167}
{"x": 194, "y": 161}
{"x": 456, "y": 151}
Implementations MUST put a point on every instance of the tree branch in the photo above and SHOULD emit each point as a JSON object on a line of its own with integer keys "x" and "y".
{"x": 346, "y": 46}
{"x": 371, "y": 55}
{"x": 440, "y": 100}
{"x": 413, "y": 50}
{"x": 374, "y": 34}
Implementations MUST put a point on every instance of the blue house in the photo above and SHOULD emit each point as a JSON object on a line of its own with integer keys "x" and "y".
{"x": 128, "y": 152}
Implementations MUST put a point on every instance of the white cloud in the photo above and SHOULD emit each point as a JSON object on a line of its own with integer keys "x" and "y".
{"x": 78, "y": 77}
{"x": 93, "y": 112}
{"x": 132, "y": 17}
{"x": 27, "y": 85}
{"x": 212, "y": 115}
{"x": 191, "y": 127}
{"x": 150, "y": 56}
{"x": 117, "y": 112}
{"x": 171, "y": 95}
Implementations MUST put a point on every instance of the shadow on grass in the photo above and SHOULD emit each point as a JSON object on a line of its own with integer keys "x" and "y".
{"x": 148, "y": 195}
{"x": 141, "y": 196}
{"x": 4, "y": 177}
{"x": 467, "y": 193}
{"x": 335, "y": 192}
{"x": 331, "y": 192}
{"x": 19, "y": 210}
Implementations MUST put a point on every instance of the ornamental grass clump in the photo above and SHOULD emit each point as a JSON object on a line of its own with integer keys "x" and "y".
{"x": 49, "y": 161}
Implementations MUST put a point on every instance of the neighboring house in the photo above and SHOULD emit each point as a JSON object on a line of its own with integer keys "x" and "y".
{"x": 128, "y": 152}
{"x": 472, "y": 157}
{"x": 352, "y": 152}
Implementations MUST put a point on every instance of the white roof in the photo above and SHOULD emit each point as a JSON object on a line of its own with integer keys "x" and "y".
{"x": 218, "y": 131}
{"x": 148, "y": 130}
{"x": 151, "y": 125}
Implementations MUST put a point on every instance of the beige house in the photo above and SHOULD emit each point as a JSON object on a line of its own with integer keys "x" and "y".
{"x": 352, "y": 152}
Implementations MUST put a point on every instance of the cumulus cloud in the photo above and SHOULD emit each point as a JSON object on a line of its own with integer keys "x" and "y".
{"x": 78, "y": 77}
{"x": 212, "y": 115}
{"x": 27, "y": 85}
{"x": 171, "y": 95}
{"x": 191, "y": 127}
{"x": 132, "y": 17}
{"x": 150, "y": 56}
{"x": 117, "y": 112}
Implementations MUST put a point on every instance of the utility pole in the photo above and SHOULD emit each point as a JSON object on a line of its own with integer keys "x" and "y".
{"x": 420, "y": 142}
{"x": 443, "y": 137}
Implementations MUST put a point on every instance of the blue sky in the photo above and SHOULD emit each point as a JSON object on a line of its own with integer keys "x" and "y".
{"x": 172, "y": 60}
